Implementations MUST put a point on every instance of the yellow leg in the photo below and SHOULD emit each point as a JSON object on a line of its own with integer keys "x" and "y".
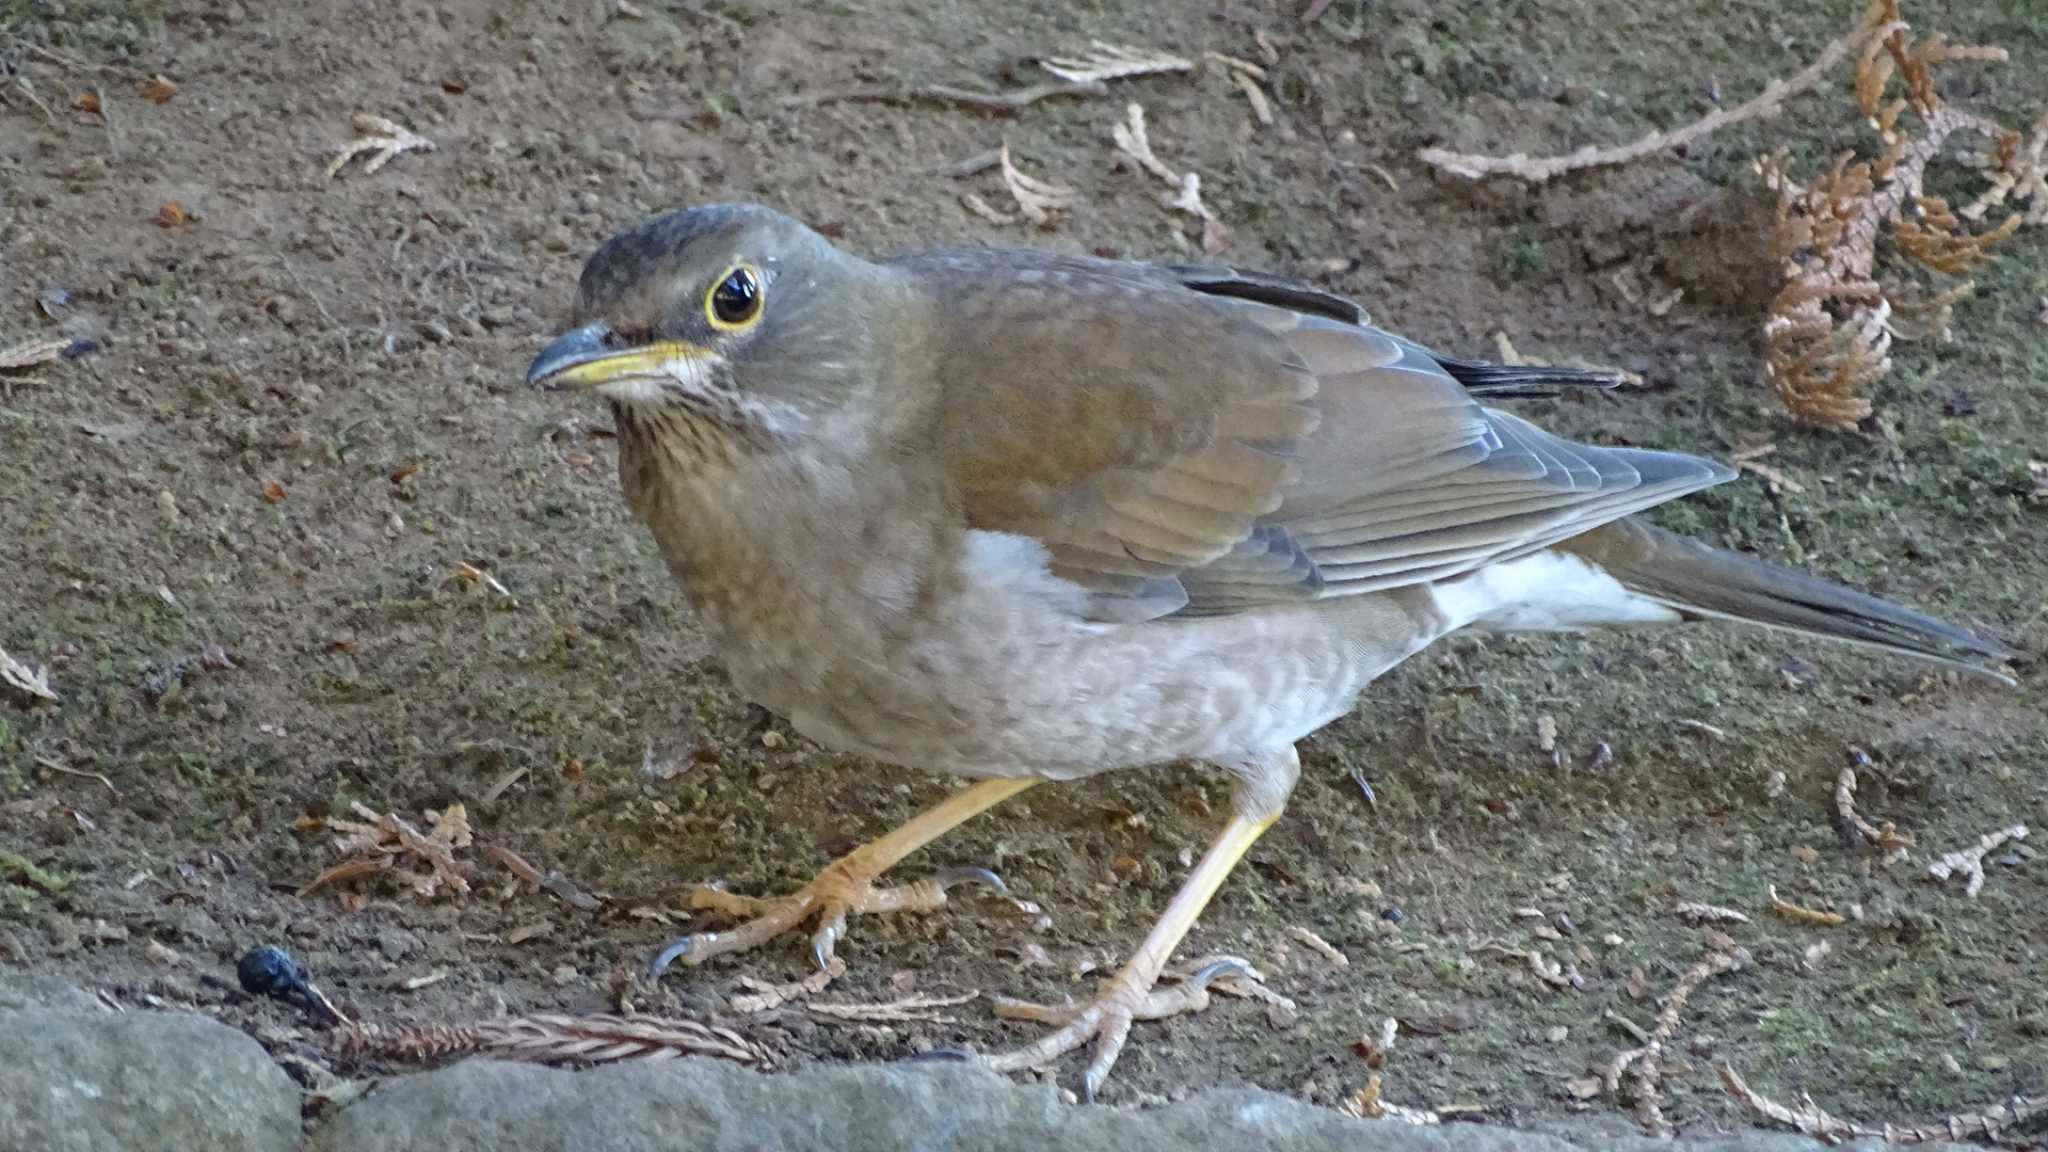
{"x": 847, "y": 885}
{"x": 1130, "y": 995}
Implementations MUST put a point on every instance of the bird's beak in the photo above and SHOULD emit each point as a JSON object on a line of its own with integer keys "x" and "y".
{"x": 590, "y": 357}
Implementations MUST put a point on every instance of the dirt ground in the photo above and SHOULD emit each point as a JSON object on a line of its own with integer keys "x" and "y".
{"x": 304, "y": 413}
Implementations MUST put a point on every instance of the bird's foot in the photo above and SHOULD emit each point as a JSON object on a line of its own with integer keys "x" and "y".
{"x": 846, "y": 887}
{"x": 1130, "y": 997}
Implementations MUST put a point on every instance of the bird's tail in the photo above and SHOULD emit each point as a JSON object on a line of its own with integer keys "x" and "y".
{"x": 1698, "y": 580}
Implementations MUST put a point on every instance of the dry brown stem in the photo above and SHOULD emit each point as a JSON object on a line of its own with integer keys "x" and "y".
{"x": 1989, "y": 1124}
{"x": 551, "y": 1039}
{"x": 1765, "y": 104}
{"x": 1799, "y": 914}
{"x": 1636, "y": 1075}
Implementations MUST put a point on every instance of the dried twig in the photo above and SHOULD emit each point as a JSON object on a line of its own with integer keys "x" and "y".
{"x": 1989, "y": 1124}
{"x": 919, "y": 1008}
{"x": 765, "y": 996}
{"x": 1637, "y": 1073}
{"x": 1798, "y": 914}
{"x": 1132, "y": 140}
{"x": 1038, "y": 200}
{"x": 28, "y": 681}
{"x": 1113, "y": 62}
{"x": 67, "y": 770}
{"x": 1549, "y": 971}
{"x": 1006, "y": 102}
{"x": 1970, "y": 861}
{"x": 552, "y": 1039}
{"x": 1319, "y": 946}
{"x": 1767, "y": 103}
{"x": 380, "y": 139}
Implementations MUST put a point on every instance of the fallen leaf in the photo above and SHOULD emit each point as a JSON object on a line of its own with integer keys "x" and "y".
{"x": 172, "y": 215}
{"x": 157, "y": 90}
{"x": 88, "y": 102}
{"x": 273, "y": 492}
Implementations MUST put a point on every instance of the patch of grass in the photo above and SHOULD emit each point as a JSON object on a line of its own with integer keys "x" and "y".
{"x": 16, "y": 868}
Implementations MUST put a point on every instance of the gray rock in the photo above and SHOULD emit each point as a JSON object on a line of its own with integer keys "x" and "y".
{"x": 73, "y": 1079}
{"x": 695, "y": 1104}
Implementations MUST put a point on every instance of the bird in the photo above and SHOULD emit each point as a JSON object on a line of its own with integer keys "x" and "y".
{"x": 1023, "y": 516}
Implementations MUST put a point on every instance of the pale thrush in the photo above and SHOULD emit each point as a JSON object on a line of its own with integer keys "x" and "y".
{"x": 1025, "y": 516}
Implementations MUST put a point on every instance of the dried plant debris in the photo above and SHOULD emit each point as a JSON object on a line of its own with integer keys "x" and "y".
{"x": 30, "y": 682}
{"x": 1536, "y": 170}
{"x": 1885, "y": 837}
{"x": 381, "y": 140}
{"x": 925, "y": 1009}
{"x": 1694, "y": 912}
{"x": 1550, "y": 971}
{"x": 1113, "y": 62}
{"x": 1636, "y": 1076}
{"x": 1135, "y": 144}
{"x": 1366, "y": 1104}
{"x": 1970, "y": 861}
{"x": 1829, "y": 332}
{"x": 380, "y": 841}
{"x": 1319, "y": 946}
{"x": 1040, "y": 202}
{"x": 1799, "y": 914}
{"x": 1991, "y": 1124}
{"x": 551, "y": 1039}
{"x": 31, "y": 353}
{"x": 762, "y": 996}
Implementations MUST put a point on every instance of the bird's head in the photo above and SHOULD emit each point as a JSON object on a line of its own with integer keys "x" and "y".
{"x": 728, "y": 319}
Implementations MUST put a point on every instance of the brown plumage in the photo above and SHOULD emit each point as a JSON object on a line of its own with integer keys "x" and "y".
{"x": 1024, "y": 516}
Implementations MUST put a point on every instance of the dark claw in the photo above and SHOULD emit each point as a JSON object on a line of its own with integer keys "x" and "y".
{"x": 939, "y": 1055}
{"x": 950, "y": 878}
{"x": 1218, "y": 969}
{"x": 676, "y": 950}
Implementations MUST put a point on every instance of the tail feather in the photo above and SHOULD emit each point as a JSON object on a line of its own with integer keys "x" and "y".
{"x": 1699, "y": 580}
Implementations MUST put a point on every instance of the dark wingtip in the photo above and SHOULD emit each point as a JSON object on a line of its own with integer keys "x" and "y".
{"x": 1525, "y": 381}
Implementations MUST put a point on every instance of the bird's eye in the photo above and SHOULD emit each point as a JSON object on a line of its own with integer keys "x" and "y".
{"x": 736, "y": 301}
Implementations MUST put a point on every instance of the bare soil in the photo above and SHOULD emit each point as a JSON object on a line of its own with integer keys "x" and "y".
{"x": 305, "y": 412}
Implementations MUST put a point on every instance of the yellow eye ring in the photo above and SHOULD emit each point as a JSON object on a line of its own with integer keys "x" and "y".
{"x": 735, "y": 301}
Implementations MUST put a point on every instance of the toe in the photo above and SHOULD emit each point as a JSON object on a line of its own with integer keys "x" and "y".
{"x": 831, "y": 929}
{"x": 1110, "y": 1034}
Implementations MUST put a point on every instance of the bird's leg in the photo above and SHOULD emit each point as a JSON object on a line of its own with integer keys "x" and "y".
{"x": 1263, "y": 785}
{"x": 846, "y": 886}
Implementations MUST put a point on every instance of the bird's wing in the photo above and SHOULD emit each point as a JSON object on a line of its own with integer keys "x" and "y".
{"x": 1188, "y": 441}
